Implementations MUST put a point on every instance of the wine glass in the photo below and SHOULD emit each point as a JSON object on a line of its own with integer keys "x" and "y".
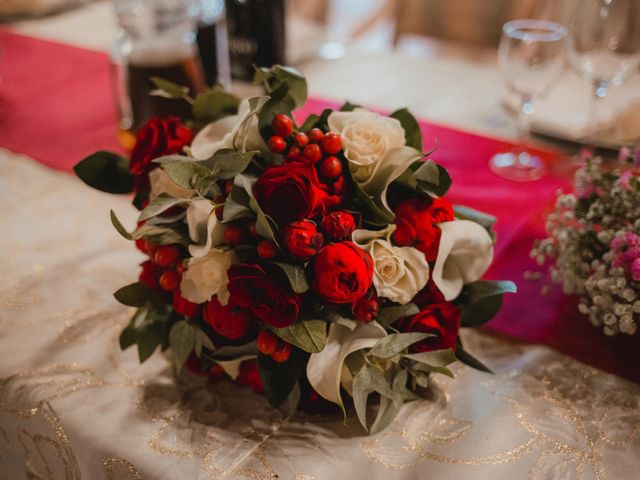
{"x": 604, "y": 48}
{"x": 530, "y": 57}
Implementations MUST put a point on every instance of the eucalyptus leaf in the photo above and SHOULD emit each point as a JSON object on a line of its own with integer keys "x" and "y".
{"x": 349, "y": 107}
{"x": 118, "y": 226}
{"x": 170, "y": 89}
{"x": 279, "y": 102}
{"x": 290, "y": 405}
{"x": 309, "y": 123}
{"x": 434, "y": 358}
{"x": 231, "y": 352}
{"x": 214, "y": 104}
{"x": 161, "y": 203}
{"x": 187, "y": 173}
{"x": 336, "y": 317}
{"x": 138, "y": 295}
{"x": 361, "y": 201}
{"x": 308, "y": 335}
{"x": 161, "y": 235}
{"x": 277, "y": 75}
{"x": 388, "y": 315}
{"x": 395, "y": 343}
{"x": 361, "y": 389}
{"x": 412, "y": 133}
{"x": 386, "y": 413}
{"x": 432, "y": 178}
{"x": 227, "y": 163}
{"x": 106, "y": 171}
{"x": 182, "y": 340}
{"x": 296, "y": 276}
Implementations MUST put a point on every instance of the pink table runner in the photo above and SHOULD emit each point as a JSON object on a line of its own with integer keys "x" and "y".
{"x": 56, "y": 107}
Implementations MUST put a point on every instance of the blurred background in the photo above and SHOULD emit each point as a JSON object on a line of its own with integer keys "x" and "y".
{"x": 437, "y": 56}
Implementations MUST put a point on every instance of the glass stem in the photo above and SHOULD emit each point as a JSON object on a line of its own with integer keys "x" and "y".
{"x": 599, "y": 92}
{"x": 524, "y": 126}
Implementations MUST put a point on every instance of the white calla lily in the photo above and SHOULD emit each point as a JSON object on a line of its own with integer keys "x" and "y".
{"x": 205, "y": 230}
{"x": 238, "y": 132}
{"x": 464, "y": 255}
{"x": 324, "y": 369}
{"x": 375, "y": 147}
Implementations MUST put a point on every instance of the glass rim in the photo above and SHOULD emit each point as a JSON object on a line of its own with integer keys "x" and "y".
{"x": 554, "y": 31}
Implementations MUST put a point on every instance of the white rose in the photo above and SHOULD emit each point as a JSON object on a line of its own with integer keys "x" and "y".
{"x": 205, "y": 230}
{"x": 207, "y": 276}
{"x": 375, "y": 148}
{"x": 237, "y": 132}
{"x": 160, "y": 182}
{"x": 398, "y": 272}
{"x": 464, "y": 255}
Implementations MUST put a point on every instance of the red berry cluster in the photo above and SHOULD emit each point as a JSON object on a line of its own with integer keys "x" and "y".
{"x": 269, "y": 344}
{"x": 163, "y": 272}
{"x": 313, "y": 146}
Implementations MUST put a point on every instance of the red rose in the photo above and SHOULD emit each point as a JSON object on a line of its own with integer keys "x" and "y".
{"x": 226, "y": 321}
{"x": 183, "y": 306}
{"x": 302, "y": 240}
{"x": 429, "y": 295}
{"x": 249, "y": 375}
{"x": 292, "y": 192}
{"x": 416, "y": 224}
{"x": 252, "y": 287}
{"x": 440, "y": 319}
{"x": 342, "y": 272}
{"x": 338, "y": 225}
{"x": 158, "y": 137}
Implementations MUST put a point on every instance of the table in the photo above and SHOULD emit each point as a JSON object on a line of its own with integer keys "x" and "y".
{"x": 73, "y": 406}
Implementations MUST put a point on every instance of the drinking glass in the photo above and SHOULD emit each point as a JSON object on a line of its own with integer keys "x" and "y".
{"x": 531, "y": 55}
{"x": 604, "y": 48}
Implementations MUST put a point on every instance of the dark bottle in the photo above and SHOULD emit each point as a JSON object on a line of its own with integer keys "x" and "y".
{"x": 256, "y": 35}
{"x": 213, "y": 43}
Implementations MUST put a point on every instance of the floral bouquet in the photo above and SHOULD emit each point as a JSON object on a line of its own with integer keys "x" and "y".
{"x": 593, "y": 245}
{"x": 314, "y": 263}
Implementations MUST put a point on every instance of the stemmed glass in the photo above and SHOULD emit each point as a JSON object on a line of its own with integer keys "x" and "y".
{"x": 604, "y": 48}
{"x": 530, "y": 57}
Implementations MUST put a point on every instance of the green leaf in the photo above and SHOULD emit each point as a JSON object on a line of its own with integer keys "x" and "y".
{"x": 237, "y": 205}
{"x": 231, "y": 352}
{"x": 149, "y": 337}
{"x": 309, "y": 123}
{"x": 474, "y": 292}
{"x": 161, "y": 203}
{"x": 182, "y": 340}
{"x": 361, "y": 389}
{"x": 128, "y": 337}
{"x": 296, "y": 276}
{"x": 227, "y": 163}
{"x": 138, "y": 295}
{"x": 412, "y": 133}
{"x": 161, "y": 235}
{"x": 361, "y": 201}
{"x": 395, "y": 343}
{"x": 468, "y": 359}
{"x": 187, "y": 173}
{"x": 349, "y": 107}
{"x": 388, "y": 315}
{"x": 480, "y": 312}
{"x": 106, "y": 171}
{"x": 279, "y": 378}
{"x": 278, "y": 75}
{"x": 279, "y": 102}
{"x": 290, "y": 405}
{"x": 386, "y": 413}
{"x": 214, "y": 104}
{"x": 168, "y": 89}
{"x": 202, "y": 340}
{"x": 265, "y": 225}
{"x": 432, "y": 178}
{"x": 434, "y": 361}
{"x": 118, "y": 226}
{"x": 308, "y": 335}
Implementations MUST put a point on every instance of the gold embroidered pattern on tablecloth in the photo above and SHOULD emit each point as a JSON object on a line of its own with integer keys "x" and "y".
{"x": 120, "y": 469}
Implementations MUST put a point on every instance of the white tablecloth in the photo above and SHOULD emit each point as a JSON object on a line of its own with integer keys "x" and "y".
{"x": 73, "y": 406}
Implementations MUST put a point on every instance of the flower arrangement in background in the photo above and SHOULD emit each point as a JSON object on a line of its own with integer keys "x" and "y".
{"x": 313, "y": 263}
{"x": 593, "y": 244}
